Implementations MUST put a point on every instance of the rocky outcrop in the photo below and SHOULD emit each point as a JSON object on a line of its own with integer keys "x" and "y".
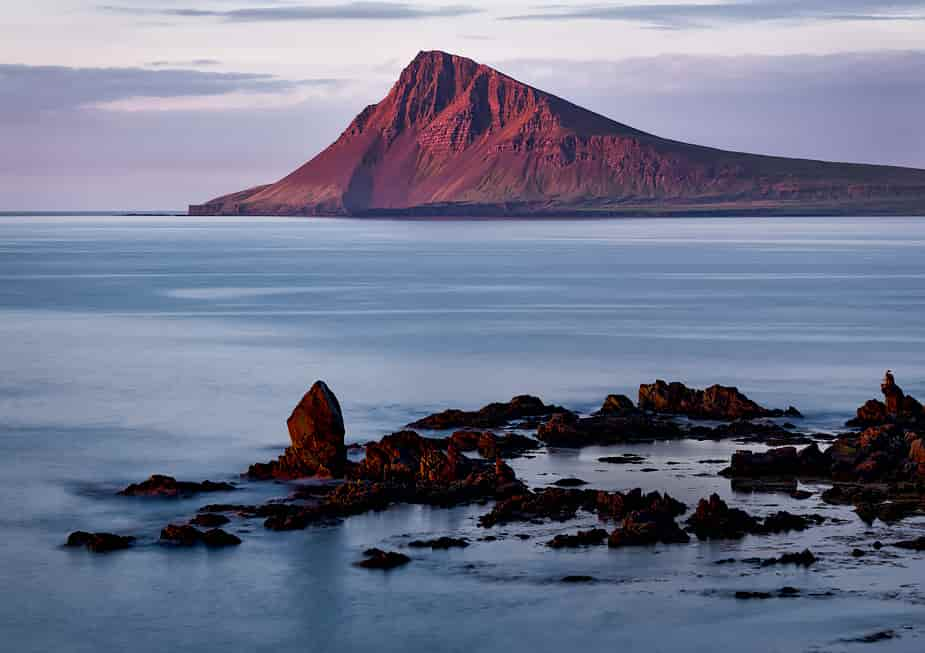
{"x": 618, "y": 405}
{"x": 715, "y": 520}
{"x": 896, "y": 407}
{"x": 99, "y": 542}
{"x": 809, "y": 462}
{"x": 647, "y": 527}
{"x": 159, "y": 485}
{"x": 316, "y": 429}
{"x": 716, "y": 402}
{"x": 490, "y": 416}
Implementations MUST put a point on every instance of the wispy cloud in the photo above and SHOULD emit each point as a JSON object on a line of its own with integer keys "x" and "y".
{"x": 26, "y": 90}
{"x": 706, "y": 14}
{"x": 342, "y": 11}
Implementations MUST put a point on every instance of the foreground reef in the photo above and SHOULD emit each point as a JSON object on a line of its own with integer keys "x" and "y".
{"x": 878, "y": 466}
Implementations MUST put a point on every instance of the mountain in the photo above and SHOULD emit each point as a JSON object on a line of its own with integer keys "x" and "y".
{"x": 454, "y": 137}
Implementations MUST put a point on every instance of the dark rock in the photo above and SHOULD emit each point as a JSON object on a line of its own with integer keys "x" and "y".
{"x": 858, "y": 553}
{"x": 209, "y": 520}
{"x": 809, "y": 462}
{"x": 716, "y": 402}
{"x": 715, "y": 520}
{"x": 784, "y": 592}
{"x": 646, "y": 527}
{"x": 803, "y": 559}
{"x": 591, "y": 537}
{"x": 578, "y": 579}
{"x": 624, "y": 459}
{"x": 744, "y": 595}
{"x": 216, "y": 538}
{"x": 570, "y": 482}
{"x": 917, "y": 544}
{"x": 159, "y": 485}
{"x": 897, "y": 407}
{"x": 784, "y": 522}
{"x": 379, "y": 559}
{"x": 440, "y": 543}
{"x": 491, "y": 446}
{"x": 490, "y": 416}
{"x": 569, "y": 430}
{"x": 873, "y": 638}
{"x": 99, "y": 542}
{"x": 181, "y": 534}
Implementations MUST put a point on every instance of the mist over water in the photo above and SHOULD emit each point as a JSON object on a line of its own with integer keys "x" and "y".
{"x": 134, "y": 346}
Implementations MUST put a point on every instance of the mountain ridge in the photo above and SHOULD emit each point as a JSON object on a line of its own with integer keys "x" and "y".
{"x": 455, "y": 137}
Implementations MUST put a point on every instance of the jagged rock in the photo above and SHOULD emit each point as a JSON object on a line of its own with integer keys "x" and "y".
{"x": 618, "y": 405}
{"x": 490, "y": 416}
{"x": 159, "y": 485}
{"x": 645, "y": 527}
{"x": 491, "y": 446}
{"x": 99, "y": 542}
{"x": 715, "y": 520}
{"x": 379, "y": 559}
{"x": 897, "y": 407}
{"x": 716, "y": 402}
{"x": 591, "y": 537}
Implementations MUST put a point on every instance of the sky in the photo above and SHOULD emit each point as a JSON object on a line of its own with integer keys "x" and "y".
{"x": 157, "y": 104}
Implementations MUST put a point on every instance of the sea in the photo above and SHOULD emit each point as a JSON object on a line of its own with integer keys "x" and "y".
{"x": 134, "y": 345}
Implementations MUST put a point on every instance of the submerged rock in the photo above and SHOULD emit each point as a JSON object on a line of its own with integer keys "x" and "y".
{"x": 159, "y": 485}
{"x": 804, "y": 558}
{"x": 209, "y": 520}
{"x": 592, "y": 537}
{"x": 379, "y": 559}
{"x": 99, "y": 542}
{"x": 186, "y": 535}
{"x": 440, "y": 543}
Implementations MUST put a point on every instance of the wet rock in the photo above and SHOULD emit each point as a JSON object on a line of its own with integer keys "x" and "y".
{"x": 556, "y": 504}
{"x": 490, "y": 416}
{"x": 490, "y": 446}
{"x": 809, "y": 462}
{"x": 748, "y": 431}
{"x": 99, "y": 542}
{"x": 569, "y": 430}
{"x": 858, "y": 553}
{"x": 804, "y": 558}
{"x": 407, "y": 457}
{"x": 715, "y": 520}
{"x": 440, "y": 543}
{"x": 619, "y": 405}
{"x": 316, "y": 429}
{"x": 593, "y": 537}
{"x": 624, "y": 459}
{"x": 578, "y": 579}
{"x": 646, "y": 527}
{"x": 896, "y": 408}
{"x": 217, "y": 538}
{"x": 209, "y": 520}
{"x": 570, "y": 482}
{"x": 379, "y": 559}
{"x": 716, "y": 402}
{"x": 159, "y": 485}
{"x": 917, "y": 544}
{"x": 784, "y": 522}
{"x": 616, "y": 505}
{"x": 181, "y": 534}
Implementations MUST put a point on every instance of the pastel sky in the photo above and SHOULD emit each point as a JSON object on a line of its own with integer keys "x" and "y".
{"x": 156, "y": 104}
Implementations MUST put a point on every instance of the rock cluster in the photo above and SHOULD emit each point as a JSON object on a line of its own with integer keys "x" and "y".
{"x": 716, "y": 402}
{"x": 490, "y": 416}
{"x": 715, "y": 520}
{"x": 186, "y": 535}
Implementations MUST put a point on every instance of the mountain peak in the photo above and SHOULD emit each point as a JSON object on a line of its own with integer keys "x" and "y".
{"x": 454, "y": 136}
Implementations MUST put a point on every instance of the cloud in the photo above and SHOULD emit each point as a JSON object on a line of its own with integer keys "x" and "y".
{"x": 29, "y": 90}
{"x": 698, "y": 15}
{"x": 194, "y": 63}
{"x": 342, "y": 11}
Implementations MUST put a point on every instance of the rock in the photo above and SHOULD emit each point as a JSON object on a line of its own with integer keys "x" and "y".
{"x": 619, "y": 405}
{"x": 715, "y": 520}
{"x": 803, "y": 559}
{"x": 570, "y": 482}
{"x": 917, "y": 544}
{"x": 209, "y": 520}
{"x": 379, "y": 559}
{"x": 747, "y": 431}
{"x": 490, "y": 416}
{"x": 716, "y": 402}
{"x": 591, "y": 537}
{"x": 578, "y": 579}
{"x": 616, "y": 505}
{"x": 217, "y": 538}
{"x": 745, "y": 595}
{"x": 181, "y": 534}
{"x": 440, "y": 543}
{"x": 646, "y": 527}
{"x": 872, "y": 638}
{"x": 569, "y": 430}
{"x": 625, "y": 459}
{"x": 99, "y": 542}
{"x": 780, "y": 462}
{"x": 159, "y": 485}
{"x": 408, "y": 457}
{"x": 897, "y": 407}
{"x": 784, "y": 522}
{"x": 858, "y": 553}
{"x": 491, "y": 446}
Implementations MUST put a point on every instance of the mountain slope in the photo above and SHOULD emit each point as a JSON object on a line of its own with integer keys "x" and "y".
{"x": 453, "y": 137}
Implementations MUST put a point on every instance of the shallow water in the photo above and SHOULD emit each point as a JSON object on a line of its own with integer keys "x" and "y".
{"x": 179, "y": 345}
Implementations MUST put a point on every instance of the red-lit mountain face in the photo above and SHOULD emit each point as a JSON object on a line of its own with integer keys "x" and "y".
{"x": 453, "y": 137}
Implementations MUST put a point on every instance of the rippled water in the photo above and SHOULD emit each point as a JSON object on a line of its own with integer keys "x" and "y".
{"x": 179, "y": 345}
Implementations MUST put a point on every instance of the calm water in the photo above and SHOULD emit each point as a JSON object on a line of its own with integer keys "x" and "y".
{"x": 177, "y": 345}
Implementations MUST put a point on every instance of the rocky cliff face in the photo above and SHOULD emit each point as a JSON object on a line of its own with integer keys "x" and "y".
{"x": 456, "y": 137}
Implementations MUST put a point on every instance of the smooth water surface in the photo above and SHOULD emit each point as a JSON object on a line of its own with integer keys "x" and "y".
{"x": 135, "y": 345}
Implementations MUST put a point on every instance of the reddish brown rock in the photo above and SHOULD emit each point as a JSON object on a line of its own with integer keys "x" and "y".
{"x": 897, "y": 407}
{"x": 715, "y": 520}
{"x": 569, "y": 430}
{"x": 159, "y": 485}
{"x": 645, "y": 527}
{"x": 619, "y": 405}
{"x": 716, "y": 402}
